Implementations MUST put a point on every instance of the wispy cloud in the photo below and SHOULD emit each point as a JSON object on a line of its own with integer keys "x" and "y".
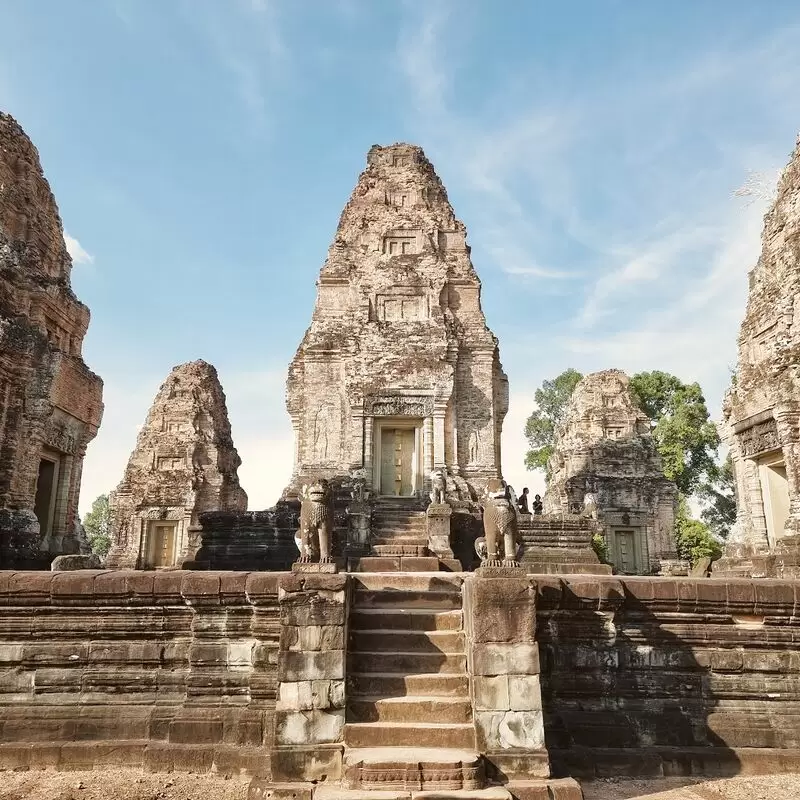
{"x": 246, "y": 39}
{"x": 627, "y": 185}
{"x": 76, "y": 250}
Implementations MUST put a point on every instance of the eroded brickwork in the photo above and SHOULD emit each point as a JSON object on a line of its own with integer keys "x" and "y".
{"x": 179, "y": 670}
{"x": 398, "y": 358}
{"x": 50, "y": 402}
{"x": 184, "y": 464}
{"x": 163, "y": 670}
{"x": 669, "y": 675}
{"x": 762, "y": 409}
{"x": 606, "y": 464}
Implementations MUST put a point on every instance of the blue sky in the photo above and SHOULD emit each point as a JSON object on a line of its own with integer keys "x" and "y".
{"x": 201, "y": 152}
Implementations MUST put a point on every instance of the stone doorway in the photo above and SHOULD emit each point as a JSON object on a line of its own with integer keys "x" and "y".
{"x": 397, "y": 458}
{"x": 625, "y": 551}
{"x": 45, "y": 501}
{"x": 775, "y": 494}
{"x": 160, "y": 549}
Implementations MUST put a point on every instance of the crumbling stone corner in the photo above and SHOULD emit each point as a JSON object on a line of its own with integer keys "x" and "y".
{"x": 503, "y": 660}
{"x": 310, "y": 707}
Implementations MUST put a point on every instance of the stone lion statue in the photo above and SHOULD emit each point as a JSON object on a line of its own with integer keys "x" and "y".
{"x": 316, "y": 523}
{"x": 438, "y": 487}
{"x": 500, "y": 542}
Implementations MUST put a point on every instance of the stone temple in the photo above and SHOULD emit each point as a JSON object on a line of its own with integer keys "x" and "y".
{"x": 50, "y": 402}
{"x": 762, "y": 408}
{"x": 398, "y": 374}
{"x": 184, "y": 463}
{"x": 385, "y": 668}
{"x": 605, "y": 456}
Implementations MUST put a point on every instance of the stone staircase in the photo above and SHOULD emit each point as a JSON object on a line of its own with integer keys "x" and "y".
{"x": 409, "y": 718}
{"x": 399, "y": 538}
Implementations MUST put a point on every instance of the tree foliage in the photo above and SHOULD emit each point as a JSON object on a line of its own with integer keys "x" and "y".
{"x": 720, "y": 495}
{"x": 694, "y": 539}
{"x": 686, "y": 438}
{"x": 96, "y": 525}
{"x": 540, "y": 429}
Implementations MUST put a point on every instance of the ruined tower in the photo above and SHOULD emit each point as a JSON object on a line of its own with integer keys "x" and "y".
{"x": 398, "y": 374}
{"x": 50, "y": 402}
{"x": 184, "y": 464}
{"x": 762, "y": 408}
{"x": 605, "y": 455}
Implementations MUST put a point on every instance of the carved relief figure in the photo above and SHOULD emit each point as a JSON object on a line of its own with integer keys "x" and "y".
{"x": 316, "y": 523}
{"x": 474, "y": 446}
{"x": 323, "y": 421}
{"x": 499, "y": 526}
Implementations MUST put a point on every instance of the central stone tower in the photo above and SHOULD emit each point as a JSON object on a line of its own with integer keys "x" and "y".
{"x": 398, "y": 374}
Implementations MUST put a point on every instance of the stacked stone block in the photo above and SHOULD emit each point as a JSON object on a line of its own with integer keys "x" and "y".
{"x": 310, "y": 716}
{"x": 504, "y": 664}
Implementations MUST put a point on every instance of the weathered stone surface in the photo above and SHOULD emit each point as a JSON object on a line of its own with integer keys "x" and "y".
{"x": 50, "y": 402}
{"x": 77, "y": 561}
{"x": 398, "y": 332}
{"x": 677, "y": 675}
{"x": 761, "y": 411}
{"x": 605, "y": 465}
{"x": 163, "y": 680}
{"x": 503, "y": 609}
{"x": 184, "y": 464}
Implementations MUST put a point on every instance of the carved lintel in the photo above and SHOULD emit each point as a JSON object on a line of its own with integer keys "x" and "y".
{"x": 399, "y": 405}
{"x": 759, "y": 438}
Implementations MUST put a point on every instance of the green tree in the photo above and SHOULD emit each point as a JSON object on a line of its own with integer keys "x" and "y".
{"x": 694, "y": 539}
{"x": 686, "y": 438}
{"x": 720, "y": 495}
{"x": 96, "y": 524}
{"x": 540, "y": 429}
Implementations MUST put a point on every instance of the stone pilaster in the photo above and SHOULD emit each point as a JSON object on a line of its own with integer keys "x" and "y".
{"x": 310, "y": 708}
{"x": 438, "y": 523}
{"x": 503, "y": 658}
{"x": 787, "y": 419}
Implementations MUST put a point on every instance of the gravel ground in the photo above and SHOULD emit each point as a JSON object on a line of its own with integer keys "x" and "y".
{"x": 129, "y": 784}
{"x": 759, "y": 787}
{"x": 118, "y": 784}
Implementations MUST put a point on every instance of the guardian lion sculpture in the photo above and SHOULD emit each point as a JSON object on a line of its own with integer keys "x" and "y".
{"x": 499, "y": 526}
{"x": 316, "y": 523}
{"x": 438, "y": 487}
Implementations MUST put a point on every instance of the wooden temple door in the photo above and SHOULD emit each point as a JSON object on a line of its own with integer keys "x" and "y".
{"x": 397, "y": 461}
{"x": 625, "y": 545}
{"x": 163, "y": 547}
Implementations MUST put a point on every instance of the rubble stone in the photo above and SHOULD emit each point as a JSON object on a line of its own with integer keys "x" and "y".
{"x": 184, "y": 464}
{"x": 50, "y": 402}
{"x": 761, "y": 411}
{"x": 605, "y": 465}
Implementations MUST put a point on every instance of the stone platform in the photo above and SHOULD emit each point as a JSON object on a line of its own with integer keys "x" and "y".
{"x": 559, "y": 544}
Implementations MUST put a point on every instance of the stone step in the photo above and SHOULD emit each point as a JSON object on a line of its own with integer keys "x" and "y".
{"x": 325, "y": 792}
{"x": 563, "y": 568}
{"x": 398, "y": 544}
{"x": 365, "y": 619}
{"x": 412, "y": 769}
{"x": 369, "y": 598}
{"x": 451, "y": 710}
{"x": 489, "y": 793}
{"x": 420, "y": 684}
{"x": 393, "y": 641}
{"x": 411, "y": 583}
{"x": 386, "y": 536}
{"x": 396, "y": 563}
{"x": 408, "y": 734}
{"x": 408, "y": 663}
